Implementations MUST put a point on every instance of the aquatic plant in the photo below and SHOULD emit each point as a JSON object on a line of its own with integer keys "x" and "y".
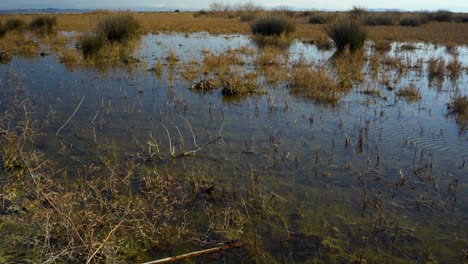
{"x": 43, "y": 24}
{"x": 459, "y": 107}
{"x": 410, "y": 92}
{"x": 70, "y": 57}
{"x": 347, "y": 33}
{"x": 118, "y": 27}
{"x": 382, "y": 46}
{"x": 314, "y": 83}
{"x": 454, "y": 68}
{"x": 90, "y": 43}
{"x": 436, "y": 67}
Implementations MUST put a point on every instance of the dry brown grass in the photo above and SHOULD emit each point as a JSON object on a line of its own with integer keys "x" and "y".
{"x": 459, "y": 107}
{"x": 18, "y": 44}
{"x": 70, "y": 57}
{"x": 315, "y": 83}
{"x": 410, "y": 92}
{"x": 437, "y": 32}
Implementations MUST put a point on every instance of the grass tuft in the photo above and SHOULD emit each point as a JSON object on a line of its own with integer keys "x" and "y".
{"x": 410, "y": 92}
{"x": 90, "y": 44}
{"x": 43, "y": 25}
{"x": 272, "y": 26}
{"x": 347, "y": 33}
{"x": 14, "y": 24}
{"x": 459, "y": 107}
{"x": 315, "y": 83}
{"x": 118, "y": 27}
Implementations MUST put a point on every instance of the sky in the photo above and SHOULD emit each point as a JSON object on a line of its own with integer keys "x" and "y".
{"x": 410, "y": 5}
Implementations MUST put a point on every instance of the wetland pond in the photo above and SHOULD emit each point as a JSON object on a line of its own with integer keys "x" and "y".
{"x": 373, "y": 176}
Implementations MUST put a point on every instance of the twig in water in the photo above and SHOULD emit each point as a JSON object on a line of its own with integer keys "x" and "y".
{"x": 198, "y": 253}
{"x": 70, "y": 118}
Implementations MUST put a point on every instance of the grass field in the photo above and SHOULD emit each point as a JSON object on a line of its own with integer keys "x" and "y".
{"x": 186, "y": 22}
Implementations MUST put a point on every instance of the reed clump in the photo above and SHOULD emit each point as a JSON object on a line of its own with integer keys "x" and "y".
{"x": 349, "y": 33}
{"x": 90, "y": 44}
{"x": 454, "y": 68}
{"x": 14, "y": 24}
{"x": 44, "y": 25}
{"x": 459, "y": 107}
{"x": 237, "y": 84}
{"x": 436, "y": 68}
{"x": 315, "y": 83}
{"x": 272, "y": 26}
{"x": 119, "y": 27}
{"x": 410, "y": 92}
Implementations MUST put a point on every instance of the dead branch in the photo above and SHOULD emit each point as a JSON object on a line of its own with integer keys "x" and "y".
{"x": 198, "y": 253}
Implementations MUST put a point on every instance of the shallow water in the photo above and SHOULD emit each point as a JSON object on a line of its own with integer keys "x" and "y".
{"x": 307, "y": 163}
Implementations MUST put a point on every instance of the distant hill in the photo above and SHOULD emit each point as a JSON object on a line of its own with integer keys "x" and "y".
{"x": 78, "y": 11}
{"x": 43, "y": 11}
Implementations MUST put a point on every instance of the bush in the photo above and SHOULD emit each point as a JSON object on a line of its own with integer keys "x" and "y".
{"x": 90, "y": 44}
{"x": 442, "y": 16}
{"x": 383, "y": 19}
{"x": 347, "y": 33}
{"x": 272, "y": 26}
{"x": 43, "y": 24}
{"x": 14, "y": 24}
{"x": 119, "y": 27}
{"x": 412, "y": 20}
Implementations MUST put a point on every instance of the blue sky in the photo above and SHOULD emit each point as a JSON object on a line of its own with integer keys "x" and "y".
{"x": 453, "y": 5}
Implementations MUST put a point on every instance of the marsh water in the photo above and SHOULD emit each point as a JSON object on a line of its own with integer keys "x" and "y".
{"x": 373, "y": 167}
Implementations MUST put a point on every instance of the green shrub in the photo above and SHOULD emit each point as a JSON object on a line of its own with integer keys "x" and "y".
{"x": 43, "y": 24}
{"x": 14, "y": 24}
{"x": 90, "y": 44}
{"x": 347, "y": 33}
{"x": 383, "y": 19}
{"x": 119, "y": 27}
{"x": 272, "y": 26}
